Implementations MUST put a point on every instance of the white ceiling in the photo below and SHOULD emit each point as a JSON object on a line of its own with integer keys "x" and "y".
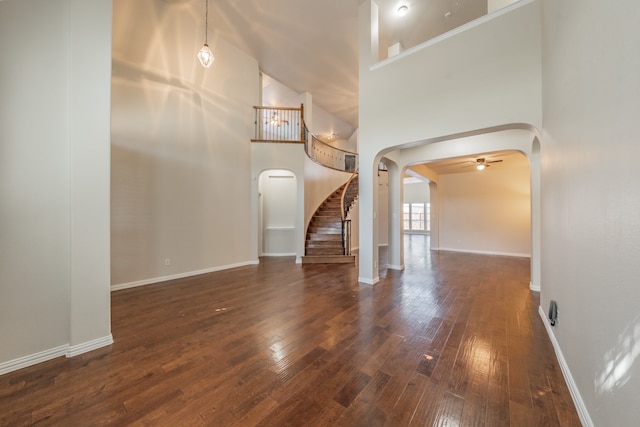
{"x": 467, "y": 163}
{"x": 312, "y": 46}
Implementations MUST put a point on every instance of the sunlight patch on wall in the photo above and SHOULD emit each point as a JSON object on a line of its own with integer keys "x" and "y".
{"x": 619, "y": 361}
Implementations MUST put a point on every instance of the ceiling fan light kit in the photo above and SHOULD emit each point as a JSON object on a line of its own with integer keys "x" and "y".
{"x": 483, "y": 163}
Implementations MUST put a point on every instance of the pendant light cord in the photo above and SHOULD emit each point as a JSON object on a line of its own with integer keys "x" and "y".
{"x": 206, "y": 20}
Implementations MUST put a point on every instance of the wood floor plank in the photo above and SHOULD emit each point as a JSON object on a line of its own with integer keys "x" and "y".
{"x": 454, "y": 339}
{"x": 450, "y": 411}
{"x": 403, "y": 411}
{"x": 363, "y": 411}
{"x": 377, "y": 359}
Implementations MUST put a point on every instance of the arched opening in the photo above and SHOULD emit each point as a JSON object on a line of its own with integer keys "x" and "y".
{"x": 519, "y": 141}
{"x": 277, "y": 213}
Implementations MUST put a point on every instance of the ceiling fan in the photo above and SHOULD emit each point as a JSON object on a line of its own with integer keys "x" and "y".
{"x": 481, "y": 163}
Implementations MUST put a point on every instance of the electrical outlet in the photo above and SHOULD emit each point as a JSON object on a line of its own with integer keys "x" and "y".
{"x": 167, "y": 261}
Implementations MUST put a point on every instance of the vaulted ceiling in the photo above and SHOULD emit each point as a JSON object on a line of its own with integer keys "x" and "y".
{"x": 312, "y": 46}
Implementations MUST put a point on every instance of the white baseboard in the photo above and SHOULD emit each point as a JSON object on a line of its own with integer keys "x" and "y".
{"x": 32, "y": 359}
{"x": 144, "y": 282}
{"x": 74, "y": 350}
{"x": 534, "y": 288}
{"x": 369, "y": 281}
{"x": 566, "y": 373}
{"x": 52, "y": 353}
{"x": 395, "y": 267}
{"x": 509, "y": 254}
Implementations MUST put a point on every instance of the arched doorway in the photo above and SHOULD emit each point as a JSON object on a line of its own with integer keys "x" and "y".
{"x": 517, "y": 138}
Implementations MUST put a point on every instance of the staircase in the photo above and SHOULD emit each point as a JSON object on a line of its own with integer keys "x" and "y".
{"x": 328, "y": 238}
{"x": 327, "y": 241}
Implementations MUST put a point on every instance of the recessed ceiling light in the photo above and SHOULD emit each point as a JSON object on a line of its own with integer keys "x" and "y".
{"x": 403, "y": 10}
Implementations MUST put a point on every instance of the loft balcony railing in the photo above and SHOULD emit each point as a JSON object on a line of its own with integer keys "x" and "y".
{"x": 279, "y": 125}
{"x": 286, "y": 125}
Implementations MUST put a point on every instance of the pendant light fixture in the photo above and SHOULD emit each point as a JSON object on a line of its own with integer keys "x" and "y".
{"x": 205, "y": 55}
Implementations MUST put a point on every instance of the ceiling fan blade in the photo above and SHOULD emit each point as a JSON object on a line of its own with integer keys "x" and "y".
{"x": 493, "y": 161}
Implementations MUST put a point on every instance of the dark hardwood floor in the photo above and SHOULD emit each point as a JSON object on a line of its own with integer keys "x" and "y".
{"x": 453, "y": 340}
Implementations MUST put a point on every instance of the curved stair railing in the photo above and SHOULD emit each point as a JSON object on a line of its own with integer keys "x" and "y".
{"x": 287, "y": 125}
{"x": 348, "y": 198}
{"x": 328, "y": 155}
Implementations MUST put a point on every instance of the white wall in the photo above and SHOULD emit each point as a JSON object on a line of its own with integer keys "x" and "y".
{"x": 54, "y": 179}
{"x": 590, "y": 200}
{"x": 483, "y": 75}
{"x": 416, "y": 192}
{"x": 587, "y": 91}
{"x": 321, "y": 122}
{"x": 181, "y": 187}
{"x": 493, "y": 5}
{"x": 289, "y": 157}
{"x": 276, "y": 94}
{"x": 487, "y": 211}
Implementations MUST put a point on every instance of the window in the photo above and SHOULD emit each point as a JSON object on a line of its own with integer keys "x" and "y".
{"x": 416, "y": 216}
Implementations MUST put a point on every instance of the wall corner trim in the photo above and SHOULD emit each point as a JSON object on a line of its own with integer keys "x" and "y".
{"x": 585, "y": 419}
{"x": 369, "y": 281}
{"x": 74, "y": 350}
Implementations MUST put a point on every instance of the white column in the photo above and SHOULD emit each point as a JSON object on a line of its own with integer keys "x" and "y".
{"x": 89, "y": 150}
{"x": 435, "y": 216}
{"x": 534, "y": 166}
{"x": 368, "y": 177}
{"x": 307, "y": 100}
{"x": 396, "y": 244}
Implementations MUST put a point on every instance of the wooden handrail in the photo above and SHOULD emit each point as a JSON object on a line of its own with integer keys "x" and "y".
{"x": 266, "y": 107}
{"x": 345, "y": 204}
